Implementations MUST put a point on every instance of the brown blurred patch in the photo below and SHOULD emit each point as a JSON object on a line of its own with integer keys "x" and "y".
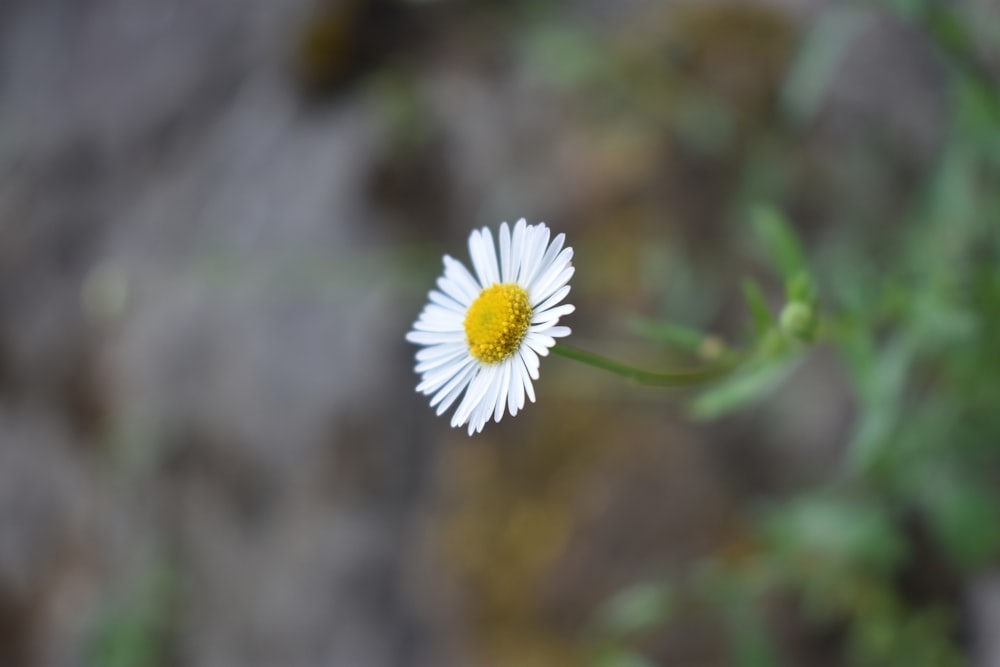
{"x": 738, "y": 51}
{"x": 539, "y": 531}
{"x": 341, "y": 40}
{"x": 15, "y": 628}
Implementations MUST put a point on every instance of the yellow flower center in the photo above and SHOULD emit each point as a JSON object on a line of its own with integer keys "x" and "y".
{"x": 497, "y": 321}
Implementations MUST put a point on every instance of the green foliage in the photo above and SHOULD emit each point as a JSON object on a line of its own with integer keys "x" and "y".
{"x": 915, "y": 322}
{"x": 671, "y": 334}
{"x": 134, "y": 630}
{"x": 781, "y": 243}
{"x": 763, "y": 321}
{"x": 743, "y": 389}
{"x": 819, "y": 59}
{"x": 618, "y": 657}
{"x": 637, "y": 609}
{"x": 843, "y": 533}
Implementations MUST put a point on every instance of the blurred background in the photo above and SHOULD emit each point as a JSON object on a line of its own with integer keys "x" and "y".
{"x": 218, "y": 218}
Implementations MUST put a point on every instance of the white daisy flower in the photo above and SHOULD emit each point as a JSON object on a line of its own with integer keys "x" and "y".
{"x": 483, "y": 334}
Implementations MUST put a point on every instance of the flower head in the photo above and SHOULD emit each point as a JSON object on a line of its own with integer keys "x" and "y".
{"x": 482, "y": 334}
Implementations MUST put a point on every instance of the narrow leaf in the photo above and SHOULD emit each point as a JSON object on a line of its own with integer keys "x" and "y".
{"x": 741, "y": 390}
{"x": 763, "y": 320}
{"x": 665, "y": 332}
{"x": 780, "y": 241}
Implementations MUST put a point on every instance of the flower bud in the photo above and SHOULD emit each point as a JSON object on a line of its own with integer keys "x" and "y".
{"x": 798, "y": 320}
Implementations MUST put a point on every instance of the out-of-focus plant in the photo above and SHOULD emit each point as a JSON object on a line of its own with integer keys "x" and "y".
{"x": 135, "y": 629}
{"x": 917, "y": 332}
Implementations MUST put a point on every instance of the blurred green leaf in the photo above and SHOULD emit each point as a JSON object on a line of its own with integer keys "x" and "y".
{"x": 886, "y": 633}
{"x": 752, "y": 647}
{"x": 742, "y": 389}
{"x": 665, "y": 332}
{"x": 780, "y": 241}
{"x": 133, "y": 632}
{"x": 947, "y": 27}
{"x": 763, "y": 321}
{"x": 964, "y": 515}
{"x": 905, "y": 8}
{"x": 881, "y": 378}
{"x": 799, "y": 287}
{"x": 638, "y": 608}
{"x": 620, "y": 657}
{"x": 564, "y": 56}
{"x": 841, "y": 532}
{"x": 818, "y": 61}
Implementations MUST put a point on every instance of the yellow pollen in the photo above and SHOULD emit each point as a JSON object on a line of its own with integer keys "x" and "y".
{"x": 497, "y": 321}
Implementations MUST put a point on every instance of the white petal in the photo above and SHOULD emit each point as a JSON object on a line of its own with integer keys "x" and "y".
{"x": 546, "y": 327}
{"x": 552, "y": 254}
{"x": 553, "y": 284}
{"x": 559, "y": 332}
{"x": 553, "y": 299}
{"x": 446, "y": 302}
{"x": 501, "y": 400}
{"x": 459, "y": 293}
{"x": 456, "y": 272}
{"x": 484, "y": 257}
{"x": 486, "y": 408}
{"x": 505, "y": 268}
{"x": 515, "y": 393}
{"x": 447, "y": 395}
{"x": 526, "y": 383}
{"x": 453, "y": 291}
{"x": 545, "y": 282}
{"x": 432, "y": 337}
{"x": 436, "y": 324}
{"x": 437, "y": 351}
{"x": 492, "y": 267}
{"x": 478, "y": 404}
{"x": 553, "y": 314}
{"x": 431, "y": 364}
{"x": 442, "y": 377}
{"x": 517, "y": 249}
{"x": 435, "y": 313}
{"x": 531, "y": 361}
{"x": 534, "y": 254}
{"x": 449, "y": 313}
{"x": 539, "y": 342}
{"x": 428, "y": 366}
{"x": 447, "y": 399}
{"x": 473, "y": 397}
{"x": 439, "y": 377}
{"x": 531, "y": 237}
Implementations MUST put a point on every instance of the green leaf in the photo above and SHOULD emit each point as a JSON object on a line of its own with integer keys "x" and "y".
{"x": 964, "y": 515}
{"x": 752, "y": 647}
{"x": 835, "y": 533}
{"x": 948, "y": 28}
{"x": 133, "y": 632}
{"x": 741, "y": 390}
{"x": 780, "y": 241}
{"x": 800, "y": 288}
{"x": 637, "y": 608}
{"x": 620, "y": 657}
{"x": 881, "y": 382}
{"x": 763, "y": 320}
{"x": 673, "y": 334}
{"x": 817, "y": 63}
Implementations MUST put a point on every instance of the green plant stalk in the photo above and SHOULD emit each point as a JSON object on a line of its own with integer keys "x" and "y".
{"x": 683, "y": 378}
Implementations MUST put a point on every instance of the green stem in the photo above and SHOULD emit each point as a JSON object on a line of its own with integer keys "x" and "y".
{"x": 684, "y": 378}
